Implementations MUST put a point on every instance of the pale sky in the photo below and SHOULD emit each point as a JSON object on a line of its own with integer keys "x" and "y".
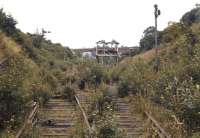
{"x": 81, "y": 23}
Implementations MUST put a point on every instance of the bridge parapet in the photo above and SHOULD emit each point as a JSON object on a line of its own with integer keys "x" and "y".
{"x": 106, "y": 52}
{"x": 121, "y": 50}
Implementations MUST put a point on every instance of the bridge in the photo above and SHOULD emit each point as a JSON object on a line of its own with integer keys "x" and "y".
{"x": 107, "y": 52}
{"x": 121, "y": 50}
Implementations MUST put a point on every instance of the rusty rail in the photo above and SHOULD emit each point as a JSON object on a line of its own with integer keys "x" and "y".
{"x": 161, "y": 132}
{"x": 84, "y": 116}
{"x": 3, "y": 61}
{"x": 29, "y": 120}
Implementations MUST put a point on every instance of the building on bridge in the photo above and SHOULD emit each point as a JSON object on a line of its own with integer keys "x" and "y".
{"x": 107, "y": 52}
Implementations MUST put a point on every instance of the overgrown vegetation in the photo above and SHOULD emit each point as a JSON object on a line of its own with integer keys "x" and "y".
{"x": 176, "y": 85}
{"x": 35, "y": 69}
{"x": 92, "y": 74}
{"x": 101, "y": 115}
{"x": 147, "y": 42}
{"x": 31, "y": 72}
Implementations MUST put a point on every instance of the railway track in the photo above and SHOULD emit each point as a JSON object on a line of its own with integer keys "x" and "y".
{"x": 3, "y": 62}
{"x": 57, "y": 119}
{"x": 83, "y": 98}
{"x": 131, "y": 125}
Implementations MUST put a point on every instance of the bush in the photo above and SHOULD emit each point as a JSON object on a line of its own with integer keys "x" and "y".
{"x": 69, "y": 93}
{"x": 12, "y": 110}
{"x": 41, "y": 96}
{"x": 13, "y": 94}
{"x": 123, "y": 89}
{"x": 196, "y": 135}
{"x": 81, "y": 84}
{"x": 92, "y": 73}
{"x": 101, "y": 111}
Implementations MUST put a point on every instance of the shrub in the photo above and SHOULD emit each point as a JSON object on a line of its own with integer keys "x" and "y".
{"x": 81, "y": 84}
{"x": 123, "y": 89}
{"x": 196, "y": 135}
{"x": 12, "y": 110}
{"x": 92, "y": 73}
{"x": 69, "y": 93}
{"x": 101, "y": 112}
{"x": 41, "y": 96}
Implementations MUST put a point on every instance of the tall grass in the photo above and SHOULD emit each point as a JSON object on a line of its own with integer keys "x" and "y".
{"x": 162, "y": 115}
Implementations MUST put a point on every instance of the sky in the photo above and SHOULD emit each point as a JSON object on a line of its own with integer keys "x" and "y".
{"x": 81, "y": 23}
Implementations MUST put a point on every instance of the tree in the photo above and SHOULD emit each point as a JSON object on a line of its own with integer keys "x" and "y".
{"x": 190, "y": 17}
{"x": 7, "y": 23}
{"x": 148, "y": 40}
{"x": 8, "y": 26}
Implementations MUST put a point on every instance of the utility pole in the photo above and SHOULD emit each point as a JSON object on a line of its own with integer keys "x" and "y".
{"x": 156, "y": 13}
{"x": 64, "y": 56}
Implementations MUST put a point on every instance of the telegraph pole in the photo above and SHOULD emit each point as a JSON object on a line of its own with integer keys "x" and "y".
{"x": 156, "y": 13}
{"x": 64, "y": 56}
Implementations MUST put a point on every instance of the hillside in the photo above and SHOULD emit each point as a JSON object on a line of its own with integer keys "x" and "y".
{"x": 176, "y": 85}
{"x": 31, "y": 69}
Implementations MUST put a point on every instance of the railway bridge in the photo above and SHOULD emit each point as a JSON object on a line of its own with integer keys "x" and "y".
{"x": 106, "y": 52}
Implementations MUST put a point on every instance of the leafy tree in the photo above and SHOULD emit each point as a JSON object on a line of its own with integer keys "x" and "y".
{"x": 8, "y": 25}
{"x": 148, "y": 40}
{"x": 191, "y": 17}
